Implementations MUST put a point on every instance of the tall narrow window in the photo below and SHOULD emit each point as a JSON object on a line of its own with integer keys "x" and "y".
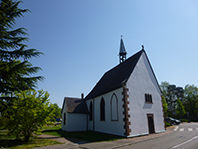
{"x": 102, "y": 110}
{"x": 64, "y": 120}
{"x": 114, "y": 108}
{"x": 91, "y": 111}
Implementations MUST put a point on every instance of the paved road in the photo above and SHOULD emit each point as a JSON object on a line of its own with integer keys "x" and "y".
{"x": 185, "y": 136}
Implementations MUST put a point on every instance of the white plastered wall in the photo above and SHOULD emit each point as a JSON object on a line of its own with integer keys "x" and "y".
{"x": 90, "y": 123}
{"x": 107, "y": 126}
{"x": 76, "y": 122}
{"x": 140, "y": 82}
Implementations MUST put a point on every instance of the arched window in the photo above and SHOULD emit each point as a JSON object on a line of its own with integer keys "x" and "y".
{"x": 102, "y": 110}
{"x": 91, "y": 111}
{"x": 114, "y": 108}
{"x": 64, "y": 119}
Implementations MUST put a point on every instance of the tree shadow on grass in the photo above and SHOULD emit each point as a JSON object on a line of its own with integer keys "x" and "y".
{"x": 82, "y": 136}
{"x": 5, "y": 143}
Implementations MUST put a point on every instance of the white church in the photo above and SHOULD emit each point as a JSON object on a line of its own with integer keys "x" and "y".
{"x": 125, "y": 102}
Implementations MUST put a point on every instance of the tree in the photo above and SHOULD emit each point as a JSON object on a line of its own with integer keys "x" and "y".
{"x": 30, "y": 111}
{"x": 56, "y": 111}
{"x": 180, "y": 110}
{"x": 15, "y": 69}
{"x": 165, "y": 106}
{"x": 172, "y": 94}
{"x": 191, "y": 100}
{"x": 164, "y": 87}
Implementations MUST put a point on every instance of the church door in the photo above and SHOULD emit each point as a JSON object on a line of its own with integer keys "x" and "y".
{"x": 151, "y": 123}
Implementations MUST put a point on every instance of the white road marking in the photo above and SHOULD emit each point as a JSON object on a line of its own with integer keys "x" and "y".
{"x": 185, "y": 142}
{"x": 190, "y": 129}
{"x": 197, "y": 129}
{"x": 176, "y": 127}
{"x": 182, "y": 129}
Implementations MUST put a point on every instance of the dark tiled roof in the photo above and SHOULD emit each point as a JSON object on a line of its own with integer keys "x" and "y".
{"x": 114, "y": 78}
{"x": 75, "y": 105}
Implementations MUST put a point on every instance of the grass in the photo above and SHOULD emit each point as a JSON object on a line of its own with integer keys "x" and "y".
{"x": 89, "y": 136}
{"x": 12, "y": 143}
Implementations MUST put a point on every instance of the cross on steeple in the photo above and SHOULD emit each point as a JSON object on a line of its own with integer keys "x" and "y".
{"x": 122, "y": 53}
{"x": 142, "y": 47}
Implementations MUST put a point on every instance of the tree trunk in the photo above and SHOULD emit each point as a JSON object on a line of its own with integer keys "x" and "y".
{"x": 27, "y": 138}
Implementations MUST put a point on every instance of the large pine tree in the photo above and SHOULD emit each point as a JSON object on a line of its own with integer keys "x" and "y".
{"x": 15, "y": 69}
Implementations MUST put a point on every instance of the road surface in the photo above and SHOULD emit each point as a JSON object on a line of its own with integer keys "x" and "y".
{"x": 185, "y": 136}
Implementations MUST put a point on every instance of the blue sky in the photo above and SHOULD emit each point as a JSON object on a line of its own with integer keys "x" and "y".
{"x": 81, "y": 39}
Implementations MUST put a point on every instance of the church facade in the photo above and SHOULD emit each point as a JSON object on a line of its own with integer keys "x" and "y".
{"x": 126, "y": 101}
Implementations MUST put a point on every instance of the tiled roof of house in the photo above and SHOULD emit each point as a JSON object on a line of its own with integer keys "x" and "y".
{"x": 75, "y": 105}
{"x": 114, "y": 78}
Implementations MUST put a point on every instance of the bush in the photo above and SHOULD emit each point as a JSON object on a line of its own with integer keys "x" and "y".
{"x": 50, "y": 123}
{"x": 167, "y": 124}
{"x": 183, "y": 120}
{"x": 29, "y": 113}
{"x": 193, "y": 120}
{"x": 3, "y": 121}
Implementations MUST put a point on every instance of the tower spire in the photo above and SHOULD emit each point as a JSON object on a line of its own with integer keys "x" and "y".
{"x": 122, "y": 53}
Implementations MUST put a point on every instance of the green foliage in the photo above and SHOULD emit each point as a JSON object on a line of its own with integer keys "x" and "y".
{"x": 56, "y": 111}
{"x": 191, "y": 100}
{"x": 15, "y": 69}
{"x": 167, "y": 124}
{"x": 29, "y": 113}
{"x": 183, "y": 120}
{"x": 7, "y": 141}
{"x": 180, "y": 109}
{"x": 164, "y": 87}
{"x": 50, "y": 122}
{"x": 3, "y": 121}
{"x": 165, "y": 106}
{"x": 172, "y": 94}
{"x": 181, "y": 101}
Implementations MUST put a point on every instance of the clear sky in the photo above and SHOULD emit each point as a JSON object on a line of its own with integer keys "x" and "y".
{"x": 81, "y": 39}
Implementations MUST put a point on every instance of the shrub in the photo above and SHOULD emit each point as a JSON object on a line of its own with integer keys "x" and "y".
{"x": 193, "y": 120}
{"x": 183, "y": 120}
{"x": 167, "y": 124}
{"x": 29, "y": 113}
{"x": 3, "y": 121}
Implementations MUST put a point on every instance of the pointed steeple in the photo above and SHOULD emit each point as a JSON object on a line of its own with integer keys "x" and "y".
{"x": 122, "y": 53}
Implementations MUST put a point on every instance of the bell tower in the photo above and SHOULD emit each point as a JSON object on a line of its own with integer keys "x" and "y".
{"x": 122, "y": 53}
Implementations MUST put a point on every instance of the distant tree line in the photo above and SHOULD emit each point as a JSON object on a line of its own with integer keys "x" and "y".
{"x": 179, "y": 102}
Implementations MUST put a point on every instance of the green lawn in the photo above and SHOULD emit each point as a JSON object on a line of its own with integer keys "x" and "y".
{"x": 11, "y": 142}
{"x": 82, "y": 135}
